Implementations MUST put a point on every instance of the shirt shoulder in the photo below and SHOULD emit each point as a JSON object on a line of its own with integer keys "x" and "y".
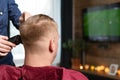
{"x": 7, "y": 72}
{"x": 69, "y": 74}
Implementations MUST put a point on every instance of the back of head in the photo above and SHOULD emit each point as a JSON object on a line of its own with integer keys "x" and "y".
{"x": 37, "y": 27}
{"x": 39, "y": 34}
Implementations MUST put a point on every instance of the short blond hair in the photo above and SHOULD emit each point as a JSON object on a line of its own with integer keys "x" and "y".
{"x": 36, "y": 27}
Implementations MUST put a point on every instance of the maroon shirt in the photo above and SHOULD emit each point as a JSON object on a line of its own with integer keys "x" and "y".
{"x": 39, "y": 73}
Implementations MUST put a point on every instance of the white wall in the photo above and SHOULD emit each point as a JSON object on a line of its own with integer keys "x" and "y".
{"x": 49, "y": 7}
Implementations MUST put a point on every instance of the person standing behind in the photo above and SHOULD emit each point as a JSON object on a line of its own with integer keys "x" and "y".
{"x": 8, "y": 11}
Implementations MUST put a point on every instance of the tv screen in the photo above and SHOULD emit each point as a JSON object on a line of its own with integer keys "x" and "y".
{"x": 102, "y": 23}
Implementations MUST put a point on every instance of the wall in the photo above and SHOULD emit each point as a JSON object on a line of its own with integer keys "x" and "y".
{"x": 96, "y": 54}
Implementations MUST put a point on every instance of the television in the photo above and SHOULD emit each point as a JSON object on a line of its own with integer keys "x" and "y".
{"x": 101, "y": 23}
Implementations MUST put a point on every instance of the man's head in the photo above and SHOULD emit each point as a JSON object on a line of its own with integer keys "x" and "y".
{"x": 39, "y": 33}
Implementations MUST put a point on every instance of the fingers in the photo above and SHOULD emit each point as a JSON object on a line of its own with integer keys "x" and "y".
{"x": 3, "y": 37}
{"x": 5, "y": 46}
{"x": 3, "y": 54}
{"x": 24, "y": 16}
{"x": 5, "y": 43}
{"x": 21, "y": 19}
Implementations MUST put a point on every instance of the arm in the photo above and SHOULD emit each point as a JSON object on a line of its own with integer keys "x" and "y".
{"x": 14, "y": 13}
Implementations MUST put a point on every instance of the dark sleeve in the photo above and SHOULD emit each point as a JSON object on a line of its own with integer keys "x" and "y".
{"x": 13, "y": 13}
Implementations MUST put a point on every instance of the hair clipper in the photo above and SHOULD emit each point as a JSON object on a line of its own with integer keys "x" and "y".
{"x": 15, "y": 39}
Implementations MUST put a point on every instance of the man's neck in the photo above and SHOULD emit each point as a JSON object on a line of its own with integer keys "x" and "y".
{"x": 35, "y": 60}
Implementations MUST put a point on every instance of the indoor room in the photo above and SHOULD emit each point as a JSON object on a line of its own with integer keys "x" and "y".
{"x": 89, "y": 36}
{"x": 90, "y": 40}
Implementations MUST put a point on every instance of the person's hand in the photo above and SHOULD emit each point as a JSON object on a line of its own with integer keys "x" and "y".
{"x": 5, "y": 45}
{"x": 24, "y": 16}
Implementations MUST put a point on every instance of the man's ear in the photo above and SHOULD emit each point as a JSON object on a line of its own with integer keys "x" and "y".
{"x": 52, "y": 46}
